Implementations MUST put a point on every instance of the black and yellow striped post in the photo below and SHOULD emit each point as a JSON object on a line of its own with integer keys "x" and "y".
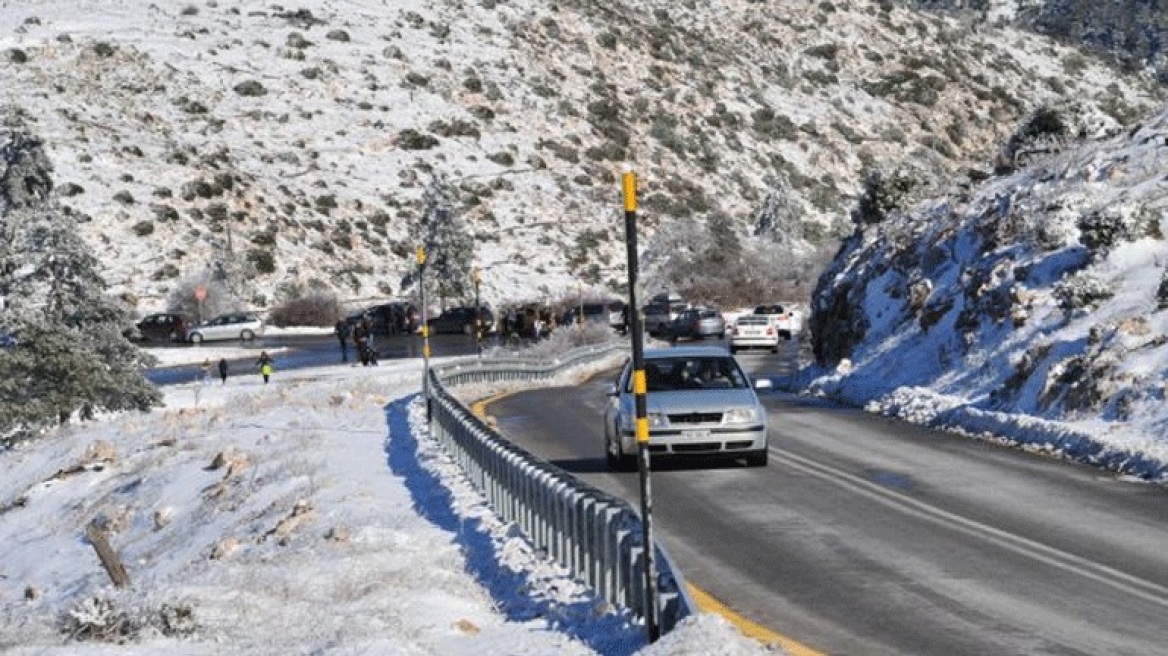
{"x": 652, "y": 612}
{"x": 421, "y": 255}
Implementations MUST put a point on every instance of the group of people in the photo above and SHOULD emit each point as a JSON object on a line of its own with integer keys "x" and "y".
{"x": 207, "y": 371}
{"x": 361, "y": 334}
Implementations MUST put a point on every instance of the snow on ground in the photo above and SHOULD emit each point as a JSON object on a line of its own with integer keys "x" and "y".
{"x": 309, "y": 515}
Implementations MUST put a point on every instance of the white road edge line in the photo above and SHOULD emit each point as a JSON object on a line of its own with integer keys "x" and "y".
{"x": 1110, "y": 576}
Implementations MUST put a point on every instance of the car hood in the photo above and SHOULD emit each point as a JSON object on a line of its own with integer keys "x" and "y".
{"x": 710, "y": 400}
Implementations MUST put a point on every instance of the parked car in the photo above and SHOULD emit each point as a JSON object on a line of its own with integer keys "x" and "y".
{"x": 592, "y": 312}
{"x": 168, "y": 326}
{"x": 244, "y": 326}
{"x": 618, "y": 317}
{"x": 395, "y": 318}
{"x": 697, "y": 323}
{"x": 657, "y": 316}
{"x": 787, "y": 322}
{"x": 753, "y": 331}
{"x": 699, "y": 402}
{"x": 461, "y": 320}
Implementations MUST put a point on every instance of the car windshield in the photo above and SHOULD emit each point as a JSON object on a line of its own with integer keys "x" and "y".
{"x": 691, "y": 373}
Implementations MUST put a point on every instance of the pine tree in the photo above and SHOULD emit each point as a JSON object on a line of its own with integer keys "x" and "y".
{"x": 449, "y": 246}
{"x": 71, "y": 357}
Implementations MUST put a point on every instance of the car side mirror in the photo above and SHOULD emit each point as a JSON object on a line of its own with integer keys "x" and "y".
{"x": 763, "y": 384}
{"x": 613, "y": 390}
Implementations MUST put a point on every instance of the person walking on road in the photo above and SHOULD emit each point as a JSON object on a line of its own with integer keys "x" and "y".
{"x": 344, "y": 331}
{"x": 223, "y": 370}
{"x": 265, "y": 365}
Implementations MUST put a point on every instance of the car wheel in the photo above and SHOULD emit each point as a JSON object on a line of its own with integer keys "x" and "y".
{"x": 196, "y": 338}
{"x": 616, "y": 460}
{"x": 756, "y": 459}
{"x": 611, "y": 460}
{"x": 247, "y": 335}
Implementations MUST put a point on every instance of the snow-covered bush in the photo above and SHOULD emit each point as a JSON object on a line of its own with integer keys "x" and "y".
{"x": 317, "y": 309}
{"x": 1103, "y": 229}
{"x": 97, "y": 618}
{"x": 1081, "y": 291}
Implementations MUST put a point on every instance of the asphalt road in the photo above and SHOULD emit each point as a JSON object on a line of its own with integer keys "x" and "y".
{"x": 871, "y": 536}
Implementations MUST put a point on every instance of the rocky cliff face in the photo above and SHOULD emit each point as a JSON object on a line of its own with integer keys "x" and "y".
{"x": 1041, "y": 291}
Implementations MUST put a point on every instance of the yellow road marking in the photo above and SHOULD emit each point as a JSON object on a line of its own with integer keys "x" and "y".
{"x": 709, "y": 604}
{"x": 705, "y": 601}
{"x": 479, "y": 408}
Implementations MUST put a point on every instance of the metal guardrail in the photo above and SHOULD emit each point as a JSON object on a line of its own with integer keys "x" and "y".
{"x": 594, "y": 534}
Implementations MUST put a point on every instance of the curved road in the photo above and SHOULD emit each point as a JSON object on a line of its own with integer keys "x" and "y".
{"x": 871, "y": 536}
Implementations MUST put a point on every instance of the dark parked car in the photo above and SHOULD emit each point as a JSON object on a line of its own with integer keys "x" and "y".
{"x": 396, "y": 318}
{"x": 461, "y": 320}
{"x": 657, "y": 317}
{"x": 164, "y": 326}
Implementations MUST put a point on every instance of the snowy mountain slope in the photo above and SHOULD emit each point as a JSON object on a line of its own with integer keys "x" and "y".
{"x": 1037, "y": 298}
{"x": 289, "y": 147}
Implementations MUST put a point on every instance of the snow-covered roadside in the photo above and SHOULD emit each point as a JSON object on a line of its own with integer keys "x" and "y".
{"x": 312, "y": 515}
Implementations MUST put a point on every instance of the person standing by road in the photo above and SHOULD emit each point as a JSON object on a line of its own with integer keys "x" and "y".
{"x": 344, "y": 331}
{"x": 265, "y": 365}
{"x": 360, "y": 341}
{"x": 206, "y": 369}
{"x": 223, "y": 370}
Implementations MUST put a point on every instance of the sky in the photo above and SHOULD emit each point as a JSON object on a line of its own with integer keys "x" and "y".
{"x": 309, "y": 515}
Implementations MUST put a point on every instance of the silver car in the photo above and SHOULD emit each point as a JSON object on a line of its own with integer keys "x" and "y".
{"x": 244, "y": 326}
{"x": 754, "y": 331}
{"x": 697, "y": 323}
{"x": 699, "y": 402}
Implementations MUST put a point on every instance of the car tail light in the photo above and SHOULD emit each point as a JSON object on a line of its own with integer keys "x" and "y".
{"x": 770, "y": 330}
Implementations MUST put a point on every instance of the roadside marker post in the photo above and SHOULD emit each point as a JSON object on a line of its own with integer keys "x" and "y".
{"x": 652, "y": 611}
{"x": 421, "y": 256}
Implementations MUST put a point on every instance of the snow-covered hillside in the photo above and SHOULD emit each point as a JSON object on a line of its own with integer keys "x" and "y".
{"x": 288, "y": 147}
{"x": 1033, "y": 306}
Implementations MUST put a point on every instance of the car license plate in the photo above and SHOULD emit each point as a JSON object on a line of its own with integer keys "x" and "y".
{"x": 695, "y": 434}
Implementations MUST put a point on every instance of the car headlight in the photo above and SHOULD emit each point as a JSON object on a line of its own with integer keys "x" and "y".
{"x": 628, "y": 421}
{"x": 740, "y": 416}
